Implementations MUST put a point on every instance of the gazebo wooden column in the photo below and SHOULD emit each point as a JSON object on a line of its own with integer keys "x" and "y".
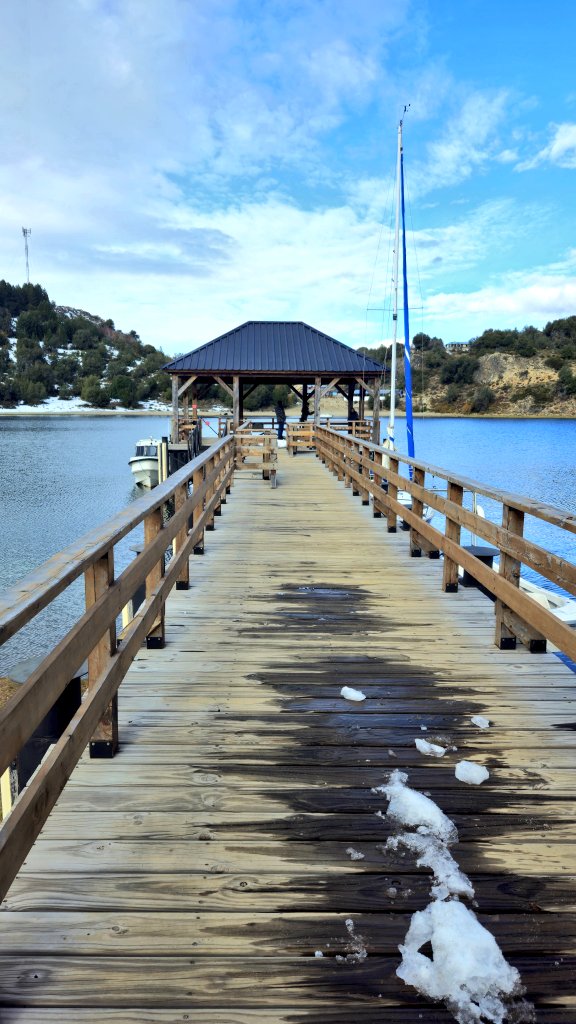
{"x": 377, "y": 384}
{"x": 237, "y": 405}
{"x": 317, "y": 396}
{"x": 175, "y": 423}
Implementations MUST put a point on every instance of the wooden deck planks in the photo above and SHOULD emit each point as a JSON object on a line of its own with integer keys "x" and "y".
{"x": 193, "y": 877}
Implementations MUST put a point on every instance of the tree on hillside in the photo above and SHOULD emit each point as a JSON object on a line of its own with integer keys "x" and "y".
{"x": 93, "y": 393}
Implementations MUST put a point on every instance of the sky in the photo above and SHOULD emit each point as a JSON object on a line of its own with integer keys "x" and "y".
{"x": 187, "y": 165}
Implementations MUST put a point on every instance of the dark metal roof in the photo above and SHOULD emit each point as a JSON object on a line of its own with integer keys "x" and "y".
{"x": 271, "y": 346}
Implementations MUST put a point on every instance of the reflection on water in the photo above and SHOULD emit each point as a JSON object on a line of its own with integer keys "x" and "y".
{"x": 60, "y": 476}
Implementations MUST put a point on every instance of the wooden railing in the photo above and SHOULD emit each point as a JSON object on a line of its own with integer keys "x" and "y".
{"x": 194, "y": 495}
{"x": 256, "y": 447}
{"x": 300, "y": 437}
{"x": 373, "y": 471}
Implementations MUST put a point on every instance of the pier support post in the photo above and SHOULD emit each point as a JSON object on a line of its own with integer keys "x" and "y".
{"x": 155, "y": 639}
{"x": 97, "y": 578}
{"x": 509, "y": 625}
{"x": 450, "y": 572}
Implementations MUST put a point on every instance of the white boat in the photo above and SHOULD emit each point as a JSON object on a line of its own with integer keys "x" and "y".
{"x": 564, "y": 608}
{"x": 144, "y": 463}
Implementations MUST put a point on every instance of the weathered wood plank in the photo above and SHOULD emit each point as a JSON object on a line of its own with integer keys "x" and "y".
{"x": 233, "y": 892}
{"x": 199, "y": 934}
{"x": 244, "y": 981}
{"x": 491, "y": 855}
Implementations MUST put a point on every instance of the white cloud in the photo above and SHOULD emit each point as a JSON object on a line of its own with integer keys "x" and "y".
{"x": 513, "y": 300}
{"x": 466, "y": 144}
{"x": 561, "y": 150}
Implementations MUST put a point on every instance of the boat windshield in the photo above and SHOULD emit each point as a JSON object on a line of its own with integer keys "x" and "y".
{"x": 146, "y": 449}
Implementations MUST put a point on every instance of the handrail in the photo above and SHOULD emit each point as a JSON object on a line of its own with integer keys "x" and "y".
{"x": 93, "y": 636}
{"x": 373, "y": 470}
{"x": 540, "y": 510}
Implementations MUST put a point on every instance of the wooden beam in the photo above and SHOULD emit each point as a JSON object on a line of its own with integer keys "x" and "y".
{"x": 187, "y": 383}
{"x": 328, "y": 387}
{"x": 224, "y": 385}
{"x": 364, "y": 385}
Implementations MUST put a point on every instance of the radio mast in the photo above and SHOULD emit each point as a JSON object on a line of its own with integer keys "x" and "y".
{"x": 26, "y": 232}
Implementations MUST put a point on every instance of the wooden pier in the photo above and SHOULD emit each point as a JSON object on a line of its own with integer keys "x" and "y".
{"x": 198, "y": 874}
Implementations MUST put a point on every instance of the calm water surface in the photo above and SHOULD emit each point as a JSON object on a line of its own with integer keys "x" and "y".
{"x": 62, "y": 475}
{"x": 59, "y": 477}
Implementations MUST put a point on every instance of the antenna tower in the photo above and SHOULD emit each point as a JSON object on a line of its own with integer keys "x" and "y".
{"x": 26, "y": 232}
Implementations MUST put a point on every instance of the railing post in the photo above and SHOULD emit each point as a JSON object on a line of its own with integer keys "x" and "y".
{"x": 210, "y": 494}
{"x": 418, "y": 510}
{"x": 197, "y": 481}
{"x": 218, "y": 509}
{"x": 155, "y": 638}
{"x": 510, "y": 626}
{"x": 377, "y": 509}
{"x": 452, "y": 532}
{"x": 180, "y": 499}
{"x": 97, "y": 578}
{"x": 394, "y": 466}
{"x": 359, "y": 451}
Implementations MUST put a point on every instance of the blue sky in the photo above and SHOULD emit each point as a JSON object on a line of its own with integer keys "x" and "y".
{"x": 186, "y": 165}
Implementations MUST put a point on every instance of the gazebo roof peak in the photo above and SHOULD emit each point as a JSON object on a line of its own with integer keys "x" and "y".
{"x": 275, "y": 347}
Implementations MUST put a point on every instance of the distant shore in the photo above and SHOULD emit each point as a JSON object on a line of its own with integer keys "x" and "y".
{"x": 291, "y": 413}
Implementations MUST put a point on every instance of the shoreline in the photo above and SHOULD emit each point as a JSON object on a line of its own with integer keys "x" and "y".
{"x": 166, "y": 414}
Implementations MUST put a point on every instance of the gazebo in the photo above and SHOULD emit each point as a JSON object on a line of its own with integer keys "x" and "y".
{"x": 275, "y": 352}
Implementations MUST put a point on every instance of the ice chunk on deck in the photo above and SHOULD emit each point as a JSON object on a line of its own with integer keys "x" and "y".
{"x": 473, "y": 774}
{"x": 350, "y": 694}
{"x": 410, "y": 807}
{"x": 467, "y": 969}
{"x": 354, "y": 854}
{"x": 480, "y": 721}
{"x": 431, "y": 749}
{"x": 433, "y": 853}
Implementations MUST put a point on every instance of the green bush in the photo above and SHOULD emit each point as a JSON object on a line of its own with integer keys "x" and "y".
{"x": 482, "y": 400}
{"x": 92, "y": 393}
{"x": 459, "y": 370}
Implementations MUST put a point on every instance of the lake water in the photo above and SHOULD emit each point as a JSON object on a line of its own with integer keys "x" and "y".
{"x": 62, "y": 475}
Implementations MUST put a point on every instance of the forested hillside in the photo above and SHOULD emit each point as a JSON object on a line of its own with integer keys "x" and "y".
{"x": 505, "y": 372}
{"x": 55, "y": 351}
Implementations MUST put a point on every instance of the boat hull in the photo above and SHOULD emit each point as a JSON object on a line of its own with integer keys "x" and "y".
{"x": 144, "y": 470}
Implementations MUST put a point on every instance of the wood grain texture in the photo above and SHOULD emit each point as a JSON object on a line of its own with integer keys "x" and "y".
{"x": 194, "y": 877}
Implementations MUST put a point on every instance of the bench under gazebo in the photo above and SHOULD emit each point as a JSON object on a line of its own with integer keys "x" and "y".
{"x": 273, "y": 352}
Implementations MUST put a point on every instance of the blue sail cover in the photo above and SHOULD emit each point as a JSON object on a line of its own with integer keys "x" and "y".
{"x": 407, "y": 363}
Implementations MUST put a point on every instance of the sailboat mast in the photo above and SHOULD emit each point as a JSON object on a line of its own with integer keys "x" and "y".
{"x": 396, "y": 265}
{"x": 407, "y": 361}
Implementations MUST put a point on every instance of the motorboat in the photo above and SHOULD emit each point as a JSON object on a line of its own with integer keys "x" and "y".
{"x": 144, "y": 463}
